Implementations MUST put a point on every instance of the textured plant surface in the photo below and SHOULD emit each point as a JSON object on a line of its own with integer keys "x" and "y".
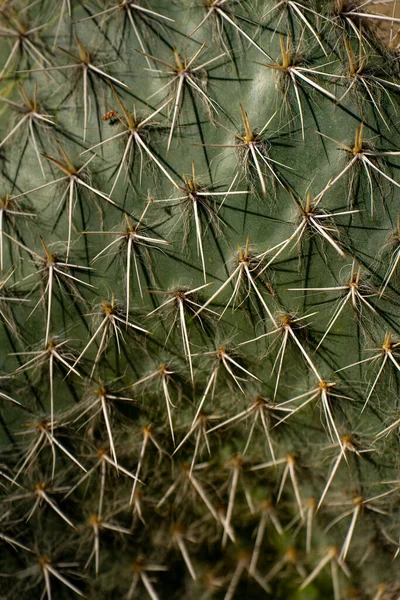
{"x": 199, "y": 253}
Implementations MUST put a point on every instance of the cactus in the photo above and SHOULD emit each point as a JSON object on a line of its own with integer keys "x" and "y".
{"x": 199, "y": 254}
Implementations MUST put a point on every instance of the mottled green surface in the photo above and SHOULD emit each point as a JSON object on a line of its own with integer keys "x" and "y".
{"x": 307, "y": 137}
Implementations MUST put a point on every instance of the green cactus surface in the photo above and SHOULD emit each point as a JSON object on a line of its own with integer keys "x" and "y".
{"x": 199, "y": 305}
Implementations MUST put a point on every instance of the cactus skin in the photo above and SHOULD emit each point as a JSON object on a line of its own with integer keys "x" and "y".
{"x": 199, "y": 247}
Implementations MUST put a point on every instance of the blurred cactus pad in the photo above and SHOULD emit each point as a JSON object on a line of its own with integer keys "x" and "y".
{"x": 199, "y": 304}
